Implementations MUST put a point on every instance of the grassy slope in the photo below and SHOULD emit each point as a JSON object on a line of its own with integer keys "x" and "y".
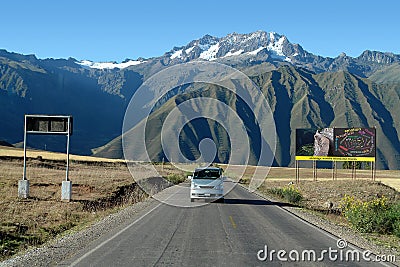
{"x": 389, "y": 74}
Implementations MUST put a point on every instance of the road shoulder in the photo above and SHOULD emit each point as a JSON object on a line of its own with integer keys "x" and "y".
{"x": 339, "y": 231}
{"x": 67, "y": 245}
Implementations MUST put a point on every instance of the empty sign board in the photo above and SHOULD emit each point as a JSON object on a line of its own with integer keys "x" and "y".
{"x": 48, "y": 124}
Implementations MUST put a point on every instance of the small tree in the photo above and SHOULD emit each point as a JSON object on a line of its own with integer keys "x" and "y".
{"x": 349, "y": 164}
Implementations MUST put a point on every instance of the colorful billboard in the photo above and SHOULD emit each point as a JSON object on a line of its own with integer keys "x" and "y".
{"x": 340, "y": 144}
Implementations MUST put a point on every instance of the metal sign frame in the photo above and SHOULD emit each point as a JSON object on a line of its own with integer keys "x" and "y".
{"x": 48, "y": 124}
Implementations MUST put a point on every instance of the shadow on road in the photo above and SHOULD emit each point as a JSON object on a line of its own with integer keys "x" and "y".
{"x": 256, "y": 202}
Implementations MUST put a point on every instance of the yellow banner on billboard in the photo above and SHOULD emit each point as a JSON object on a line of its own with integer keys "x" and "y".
{"x": 330, "y": 158}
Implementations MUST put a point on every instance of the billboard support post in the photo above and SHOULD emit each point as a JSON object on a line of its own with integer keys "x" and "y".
{"x": 66, "y": 186}
{"x": 23, "y": 185}
{"x": 296, "y": 166}
{"x": 67, "y": 169}
{"x": 333, "y": 170}
{"x": 373, "y": 170}
{"x": 24, "y": 177}
{"x": 353, "y": 171}
{"x": 314, "y": 170}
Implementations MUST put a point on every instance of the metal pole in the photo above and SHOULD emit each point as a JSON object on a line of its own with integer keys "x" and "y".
{"x": 298, "y": 171}
{"x": 24, "y": 177}
{"x": 372, "y": 170}
{"x": 335, "y": 170}
{"x": 66, "y": 174}
{"x": 373, "y": 163}
{"x": 352, "y": 170}
{"x": 355, "y": 171}
{"x": 316, "y": 171}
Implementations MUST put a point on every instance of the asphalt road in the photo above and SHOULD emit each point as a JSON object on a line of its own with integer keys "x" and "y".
{"x": 235, "y": 233}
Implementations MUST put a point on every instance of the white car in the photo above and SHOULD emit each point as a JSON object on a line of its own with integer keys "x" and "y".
{"x": 207, "y": 183}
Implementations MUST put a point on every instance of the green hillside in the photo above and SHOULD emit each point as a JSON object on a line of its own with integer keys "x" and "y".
{"x": 390, "y": 74}
{"x": 298, "y": 99}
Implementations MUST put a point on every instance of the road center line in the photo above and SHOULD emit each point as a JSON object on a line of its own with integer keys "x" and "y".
{"x": 232, "y": 222}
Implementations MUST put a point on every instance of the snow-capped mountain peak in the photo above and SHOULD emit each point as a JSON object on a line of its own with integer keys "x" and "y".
{"x": 109, "y": 65}
{"x": 259, "y": 46}
{"x": 210, "y": 48}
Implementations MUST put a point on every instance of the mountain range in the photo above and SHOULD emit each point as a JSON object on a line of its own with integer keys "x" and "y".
{"x": 303, "y": 90}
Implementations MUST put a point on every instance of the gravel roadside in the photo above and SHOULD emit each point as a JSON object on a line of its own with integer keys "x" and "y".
{"x": 55, "y": 251}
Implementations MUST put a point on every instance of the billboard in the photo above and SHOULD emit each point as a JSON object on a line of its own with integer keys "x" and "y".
{"x": 340, "y": 144}
{"x": 48, "y": 124}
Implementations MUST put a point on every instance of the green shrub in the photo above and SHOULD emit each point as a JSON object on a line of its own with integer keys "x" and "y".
{"x": 395, "y": 215}
{"x": 290, "y": 193}
{"x": 276, "y": 191}
{"x": 396, "y": 228}
{"x": 375, "y": 216}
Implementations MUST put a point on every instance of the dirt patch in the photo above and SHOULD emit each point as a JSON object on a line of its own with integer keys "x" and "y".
{"x": 128, "y": 194}
{"x": 318, "y": 194}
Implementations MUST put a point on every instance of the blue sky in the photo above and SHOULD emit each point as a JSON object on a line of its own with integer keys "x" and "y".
{"x": 120, "y": 29}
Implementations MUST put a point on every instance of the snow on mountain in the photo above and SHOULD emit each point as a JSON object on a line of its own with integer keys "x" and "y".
{"x": 177, "y": 54}
{"x": 210, "y": 53}
{"x": 255, "y": 52}
{"x": 259, "y": 45}
{"x": 276, "y": 47}
{"x": 187, "y": 51}
{"x": 230, "y": 53}
{"x": 212, "y": 48}
{"x": 109, "y": 65}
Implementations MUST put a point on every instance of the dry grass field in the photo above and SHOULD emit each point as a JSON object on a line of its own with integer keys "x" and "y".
{"x": 99, "y": 187}
{"x": 19, "y": 152}
{"x": 388, "y": 177}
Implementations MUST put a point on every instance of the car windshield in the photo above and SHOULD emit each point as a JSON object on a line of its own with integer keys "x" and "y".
{"x": 207, "y": 174}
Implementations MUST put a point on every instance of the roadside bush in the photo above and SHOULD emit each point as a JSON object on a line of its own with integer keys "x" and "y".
{"x": 374, "y": 216}
{"x": 176, "y": 178}
{"x": 395, "y": 213}
{"x": 396, "y": 228}
{"x": 289, "y": 193}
